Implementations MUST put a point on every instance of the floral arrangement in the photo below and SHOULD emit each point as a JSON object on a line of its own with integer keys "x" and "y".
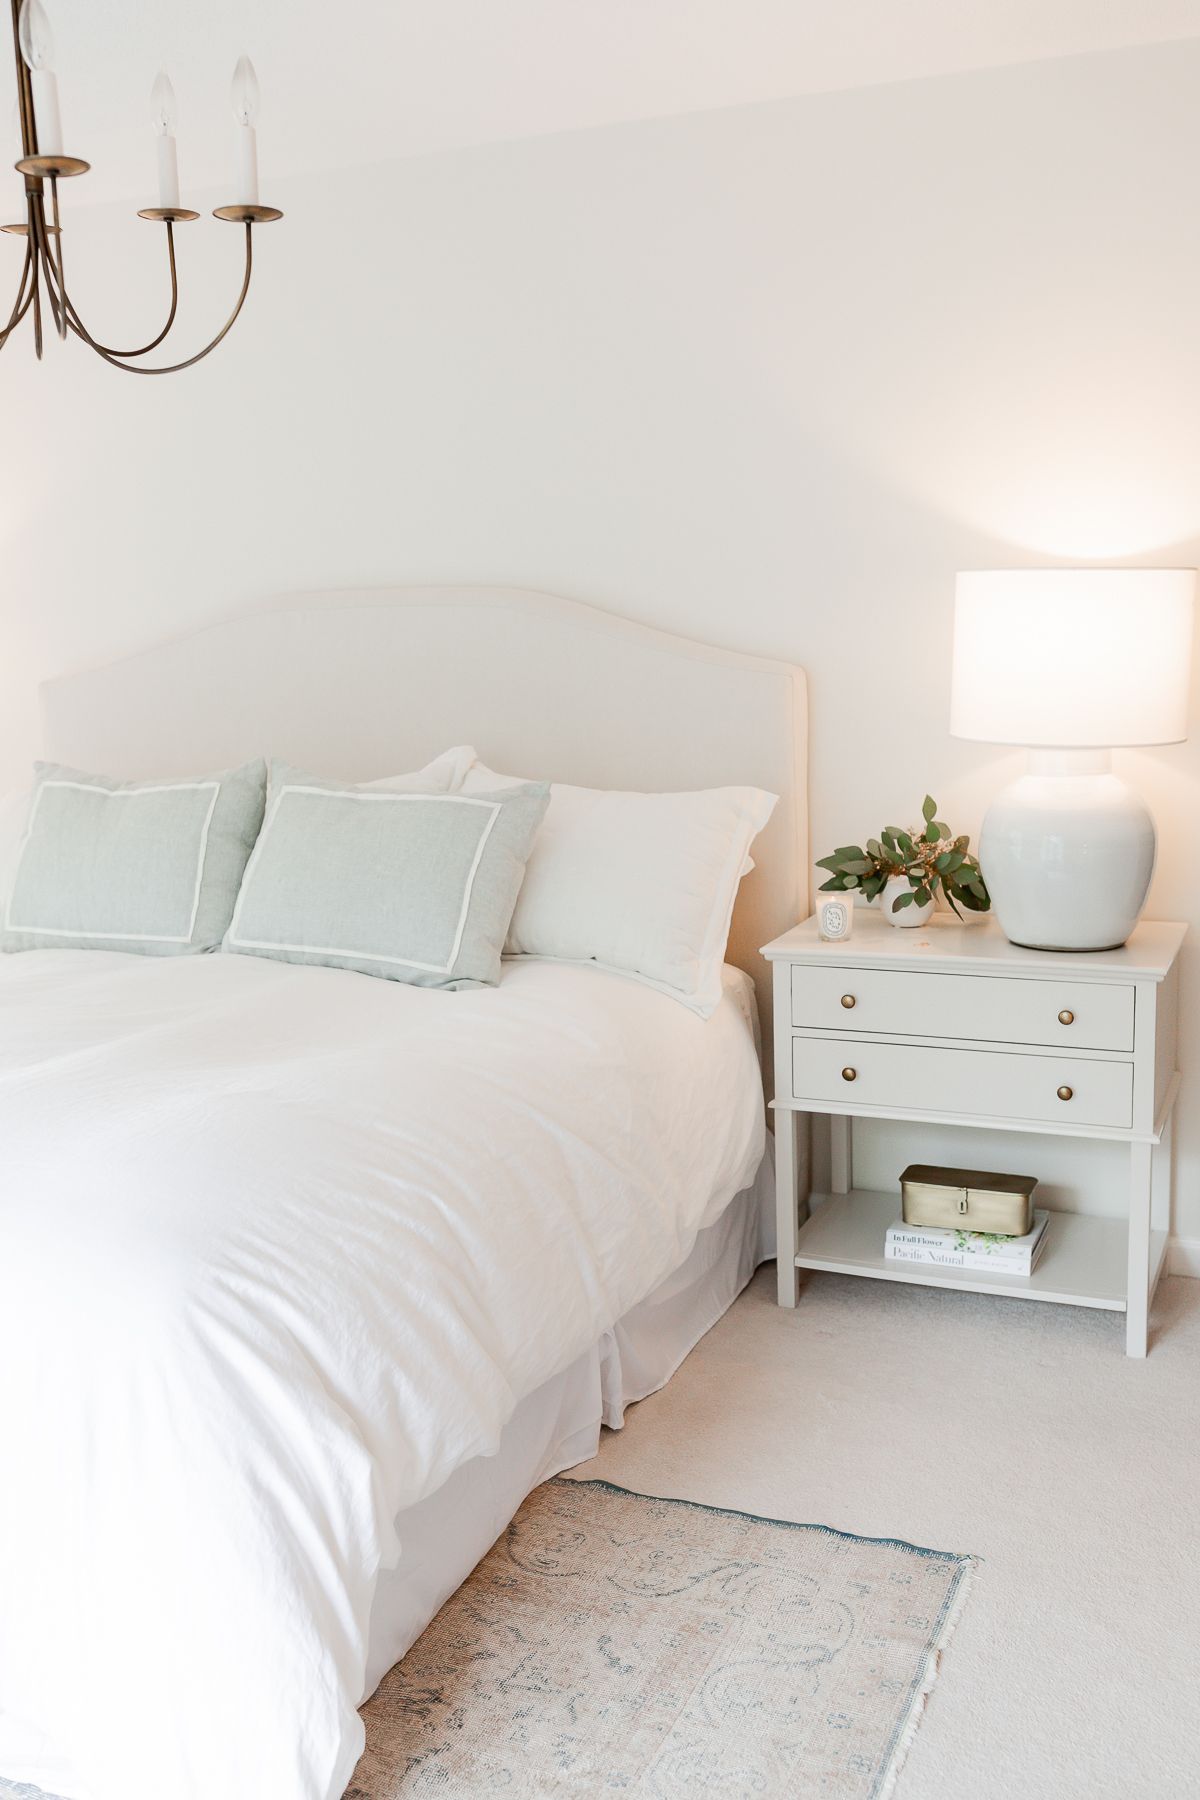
{"x": 929, "y": 858}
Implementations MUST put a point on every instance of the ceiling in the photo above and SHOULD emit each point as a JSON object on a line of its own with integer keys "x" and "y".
{"x": 345, "y": 85}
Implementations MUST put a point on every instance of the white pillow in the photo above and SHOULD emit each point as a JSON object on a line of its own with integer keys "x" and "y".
{"x": 444, "y": 775}
{"x": 643, "y": 884}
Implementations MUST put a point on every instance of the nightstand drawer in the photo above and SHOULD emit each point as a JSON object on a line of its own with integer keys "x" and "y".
{"x": 1061, "y": 1090}
{"x": 984, "y": 1008}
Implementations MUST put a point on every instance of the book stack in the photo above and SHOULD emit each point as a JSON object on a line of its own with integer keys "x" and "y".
{"x": 984, "y": 1251}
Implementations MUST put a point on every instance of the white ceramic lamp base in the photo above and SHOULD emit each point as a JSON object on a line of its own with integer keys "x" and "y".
{"x": 1067, "y": 852}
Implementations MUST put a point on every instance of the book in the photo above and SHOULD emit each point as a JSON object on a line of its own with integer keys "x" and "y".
{"x": 980, "y": 1250}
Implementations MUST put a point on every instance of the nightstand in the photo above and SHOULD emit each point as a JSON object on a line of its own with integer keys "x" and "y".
{"x": 951, "y": 1024}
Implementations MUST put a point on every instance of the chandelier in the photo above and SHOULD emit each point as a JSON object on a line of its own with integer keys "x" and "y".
{"x": 42, "y": 287}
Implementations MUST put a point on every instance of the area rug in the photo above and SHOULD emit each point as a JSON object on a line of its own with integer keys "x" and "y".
{"x": 611, "y": 1643}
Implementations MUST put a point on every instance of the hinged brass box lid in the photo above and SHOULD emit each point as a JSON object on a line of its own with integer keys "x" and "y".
{"x": 968, "y": 1199}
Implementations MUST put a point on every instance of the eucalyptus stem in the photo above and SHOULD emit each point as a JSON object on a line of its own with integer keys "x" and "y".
{"x": 929, "y": 857}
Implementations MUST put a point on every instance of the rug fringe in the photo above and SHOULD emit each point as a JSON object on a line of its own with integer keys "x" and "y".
{"x": 929, "y": 1674}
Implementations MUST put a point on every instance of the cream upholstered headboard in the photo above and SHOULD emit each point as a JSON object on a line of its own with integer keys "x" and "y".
{"x": 370, "y": 681}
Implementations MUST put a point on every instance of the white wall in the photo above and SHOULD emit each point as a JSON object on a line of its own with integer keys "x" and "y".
{"x": 766, "y": 376}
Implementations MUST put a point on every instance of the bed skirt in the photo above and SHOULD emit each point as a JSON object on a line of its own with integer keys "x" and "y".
{"x": 555, "y": 1427}
{"x": 558, "y": 1425}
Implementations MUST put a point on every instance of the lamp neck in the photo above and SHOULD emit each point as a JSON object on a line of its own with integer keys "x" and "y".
{"x": 1070, "y": 762}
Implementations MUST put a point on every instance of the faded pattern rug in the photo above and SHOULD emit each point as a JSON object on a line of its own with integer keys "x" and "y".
{"x": 611, "y": 1643}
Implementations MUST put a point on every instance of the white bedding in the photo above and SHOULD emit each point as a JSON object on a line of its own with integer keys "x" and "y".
{"x": 280, "y": 1248}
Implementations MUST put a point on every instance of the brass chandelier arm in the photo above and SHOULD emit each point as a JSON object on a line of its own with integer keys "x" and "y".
{"x": 132, "y": 368}
{"x": 80, "y": 329}
{"x": 52, "y": 257}
{"x": 44, "y": 275}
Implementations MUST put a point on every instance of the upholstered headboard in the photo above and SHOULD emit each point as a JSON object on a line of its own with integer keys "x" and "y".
{"x": 371, "y": 681}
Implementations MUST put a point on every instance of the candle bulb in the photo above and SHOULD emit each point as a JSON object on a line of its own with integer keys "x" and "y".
{"x": 37, "y": 48}
{"x": 244, "y": 94}
{"x": 165, "y": 114}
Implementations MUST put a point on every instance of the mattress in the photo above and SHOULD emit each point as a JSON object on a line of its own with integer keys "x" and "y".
{"x": 294, "y": 1247}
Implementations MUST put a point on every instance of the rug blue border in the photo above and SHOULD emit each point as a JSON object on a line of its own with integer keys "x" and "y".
{"x": 732, "y": 1512}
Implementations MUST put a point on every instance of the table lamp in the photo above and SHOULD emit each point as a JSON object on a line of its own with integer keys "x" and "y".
{"x": 1071, "y": 663}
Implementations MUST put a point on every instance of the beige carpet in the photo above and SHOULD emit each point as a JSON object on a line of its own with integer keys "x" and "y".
{"x": 615, "y": 1644}
{"x": 1014, "y": 1430}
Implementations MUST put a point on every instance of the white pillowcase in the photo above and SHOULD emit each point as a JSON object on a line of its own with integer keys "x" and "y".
{"x": 444, "y": 775}
{"x": 643, "y": 884}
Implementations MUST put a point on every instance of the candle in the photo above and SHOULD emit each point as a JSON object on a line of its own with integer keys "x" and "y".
{"x": 244, "y": 94}
{"x": 247, "y": 166}
{"x": 37, "y": 48}
{"x": 168, "y": 173}
{"x": 835, "y": 917}
{"x": 164, "y": 113}
{"x": 45, "y": 111}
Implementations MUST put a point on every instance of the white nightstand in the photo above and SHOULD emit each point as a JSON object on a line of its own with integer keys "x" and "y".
{"x": 952, "y": 1024}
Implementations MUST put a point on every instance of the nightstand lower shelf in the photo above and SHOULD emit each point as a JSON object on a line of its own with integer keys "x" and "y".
{"x": 1084, "y": 1262}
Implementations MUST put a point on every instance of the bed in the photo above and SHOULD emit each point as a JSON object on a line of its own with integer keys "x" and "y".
{"x": 327, "y": 1272}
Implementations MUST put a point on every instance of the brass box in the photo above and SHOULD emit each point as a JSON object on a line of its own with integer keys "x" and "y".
{"x": 968, "y": 1199}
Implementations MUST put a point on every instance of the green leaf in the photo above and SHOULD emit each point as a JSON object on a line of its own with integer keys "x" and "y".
{"x": 943, "y": 830}
{"x": 844, "y": 850}
{"x": 827, "y": 862}
{"x": 905, "y": 843}
{"x": 929, "y": 835}
{"x": 849, "y": 881}
{"x": 872, "y": 885}
{"x": 875, "y": 849}
{"x": 922, "y": 895}
{"x": 977, "y": 888}
{"x": 858, "y": 865}
{"x": 929, "y": 810}
{"x": 830, "y": 887}
{"x": 901, "y": 900}
{"x": 950, "y": 901}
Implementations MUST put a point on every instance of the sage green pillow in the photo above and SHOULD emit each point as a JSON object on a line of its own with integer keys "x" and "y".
{"x": 147, "y": 866}
{"x": 414, "y": 887}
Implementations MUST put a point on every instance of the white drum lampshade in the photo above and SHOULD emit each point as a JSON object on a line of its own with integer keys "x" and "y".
{"x": 1071, "y": 663}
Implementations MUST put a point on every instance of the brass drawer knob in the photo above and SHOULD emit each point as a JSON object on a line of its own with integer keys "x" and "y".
{"x": 1066, "y": 1017}
{"x": 849, "y": 1074}
{"x": 1065, "y": 1093}
{"x": 848, "y": 1001}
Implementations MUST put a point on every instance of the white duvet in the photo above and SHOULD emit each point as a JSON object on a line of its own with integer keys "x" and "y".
{"x": 280, "y": 1248}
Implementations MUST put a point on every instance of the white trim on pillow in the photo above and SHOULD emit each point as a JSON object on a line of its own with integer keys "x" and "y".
{"x": 121, "y": 793}
{"x": 234, "y": 942}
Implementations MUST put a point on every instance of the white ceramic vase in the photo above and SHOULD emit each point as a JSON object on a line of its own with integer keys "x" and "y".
{"x": 907, "y": 915}
{"x": 1067, "y": 852}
